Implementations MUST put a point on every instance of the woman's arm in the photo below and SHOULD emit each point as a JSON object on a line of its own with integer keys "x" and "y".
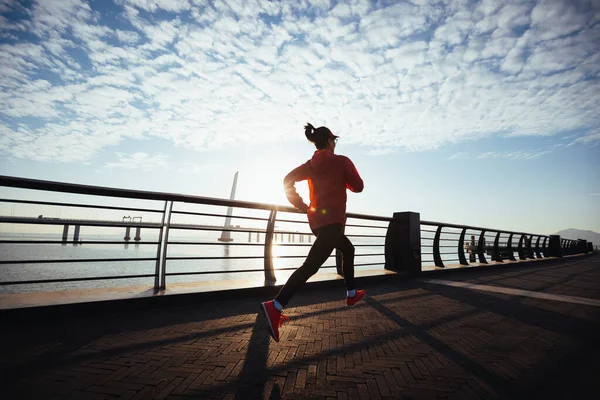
{"x": 298, "y": 174}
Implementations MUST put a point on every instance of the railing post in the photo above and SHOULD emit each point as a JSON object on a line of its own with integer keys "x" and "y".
{"x": 158, "y": 248}
{"x": 496, "y": 256}
{"x": 510, "y": 248}
{"x": 529, "y": 249}
{"x": 581, "y": 246}
{"x": 481, "y": 248}
{"x": 339, "y": 258}
{"x": 545, "y": 246}
{"x": 403, "y": 243}
{"x": 437, "y": 257}
{"x": 461, "y": 248}
{"x": 554, "y": 246}
{"x": 538, "y": 254}
{"x": 269, "y": 271}
{"x": 163, "y": 273}
{"x": 520, "y": 248}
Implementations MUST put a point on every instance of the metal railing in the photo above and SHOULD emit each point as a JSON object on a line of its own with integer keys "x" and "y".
{"x": 521, "y": 243}
{"x": 172, "y": 215}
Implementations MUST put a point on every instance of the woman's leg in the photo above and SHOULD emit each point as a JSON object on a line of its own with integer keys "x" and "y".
{"x": 345, "y": 246}
{"x": 327, "y": 238}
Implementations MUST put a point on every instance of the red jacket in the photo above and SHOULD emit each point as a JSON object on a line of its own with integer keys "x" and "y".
{"x": 328, "y": 175}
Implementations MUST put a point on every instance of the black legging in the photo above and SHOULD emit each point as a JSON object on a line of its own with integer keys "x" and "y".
{"x": 328, "y": 238}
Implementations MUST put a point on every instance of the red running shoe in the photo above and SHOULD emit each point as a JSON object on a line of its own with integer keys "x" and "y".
{"x": 351, "y": 301}
{"x": 275, "y": 318}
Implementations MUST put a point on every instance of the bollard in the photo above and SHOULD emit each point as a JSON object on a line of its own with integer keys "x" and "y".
{"x": 403, "y": 243}
{"x": 554, "y": 248}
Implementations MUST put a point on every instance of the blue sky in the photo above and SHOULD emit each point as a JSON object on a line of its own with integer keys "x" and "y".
{"x": 474, "y": 112}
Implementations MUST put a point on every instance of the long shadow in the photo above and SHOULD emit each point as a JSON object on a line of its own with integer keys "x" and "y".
{"x": 254, "y": 374}
{"x": 562, "y": 372}
{"x": 499, "y": 275}
{"x": 498, "y": 384}
{"x": 71, "y": 340}
{"x": 557, "y": 322}
{"x": 528, "y": 314}
{"x": 406, "y": 329}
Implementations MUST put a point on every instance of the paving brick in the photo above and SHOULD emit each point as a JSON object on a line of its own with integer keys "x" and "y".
{"x": 410, "y": 340}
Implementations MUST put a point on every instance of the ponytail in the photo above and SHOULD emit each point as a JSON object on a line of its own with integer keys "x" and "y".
{"x": 309, "y": 131}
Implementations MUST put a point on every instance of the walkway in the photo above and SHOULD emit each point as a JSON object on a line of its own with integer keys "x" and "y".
{"x": 518, "y": 332}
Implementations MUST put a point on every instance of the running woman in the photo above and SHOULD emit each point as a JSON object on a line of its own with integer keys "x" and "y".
{"x": 328, "y": 176}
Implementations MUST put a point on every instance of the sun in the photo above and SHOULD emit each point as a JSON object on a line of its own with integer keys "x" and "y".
{"x": 263, "y": 183}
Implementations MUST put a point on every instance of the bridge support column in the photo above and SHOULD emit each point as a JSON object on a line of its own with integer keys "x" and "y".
{"x": 65, "y": 234}
{"x": 127, "y": 236}
{"x": 554, "y": 248}
{"x": 403, "y": 243}
{"x": 138, "y": 234}
{"x": 76, "y": 234}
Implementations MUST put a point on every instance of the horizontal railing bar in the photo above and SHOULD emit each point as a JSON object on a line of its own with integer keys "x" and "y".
{"x": 364, "y": 264}
{"x": 50, "y": 203}
{"x": 213, "y": 229}
{"x": 236, "y": 271}
{"x": 96, "y": 278}
{"x": 427, "y": 230}
{"x": 292, "y": 221}
{"x": 369, "y": 217}
{"x": 214, "y": 258}
{"x": 291, "y": 244}
{"x": 367, "y": 236}
{"x": 475, "y": 228}
{"x": 366, "y": 226}
{"x": 366, "y": 255}
{"x": 218, "y": 215}
{"x": 213, "y": 272}
{"x": 216, "y": 243}
{"x": 74, "y": 260}
{"x": 110, "y": 224}
{"x": 72, "y": 242}
{"x": 63, "y": 187}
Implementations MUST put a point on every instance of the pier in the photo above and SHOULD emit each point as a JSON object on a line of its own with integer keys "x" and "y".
{"x": 496, "y": 315}
{"x": 527, "y": 331}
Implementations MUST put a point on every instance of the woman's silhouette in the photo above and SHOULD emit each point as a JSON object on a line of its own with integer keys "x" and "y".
{"x": 328, "y": 176}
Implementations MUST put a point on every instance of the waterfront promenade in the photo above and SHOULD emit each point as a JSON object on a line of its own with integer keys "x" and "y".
{"x": 524, "y": 331}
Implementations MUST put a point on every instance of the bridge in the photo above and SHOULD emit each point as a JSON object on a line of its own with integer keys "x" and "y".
{"x": 489, "y": 328}
{"x": 77, "y": 223}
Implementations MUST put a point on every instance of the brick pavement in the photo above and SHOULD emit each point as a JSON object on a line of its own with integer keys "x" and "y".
{"x": 409, "y": 339}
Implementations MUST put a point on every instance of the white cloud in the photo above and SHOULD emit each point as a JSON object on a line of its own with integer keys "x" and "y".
{"x": 129, "y": 37}
{"x": 139, "y": 160}
{"x": 516, "y": 155}
{"x": 155, "y": 5}
{"x": 592, "y": 136}
{"x": 211, "y": 74}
